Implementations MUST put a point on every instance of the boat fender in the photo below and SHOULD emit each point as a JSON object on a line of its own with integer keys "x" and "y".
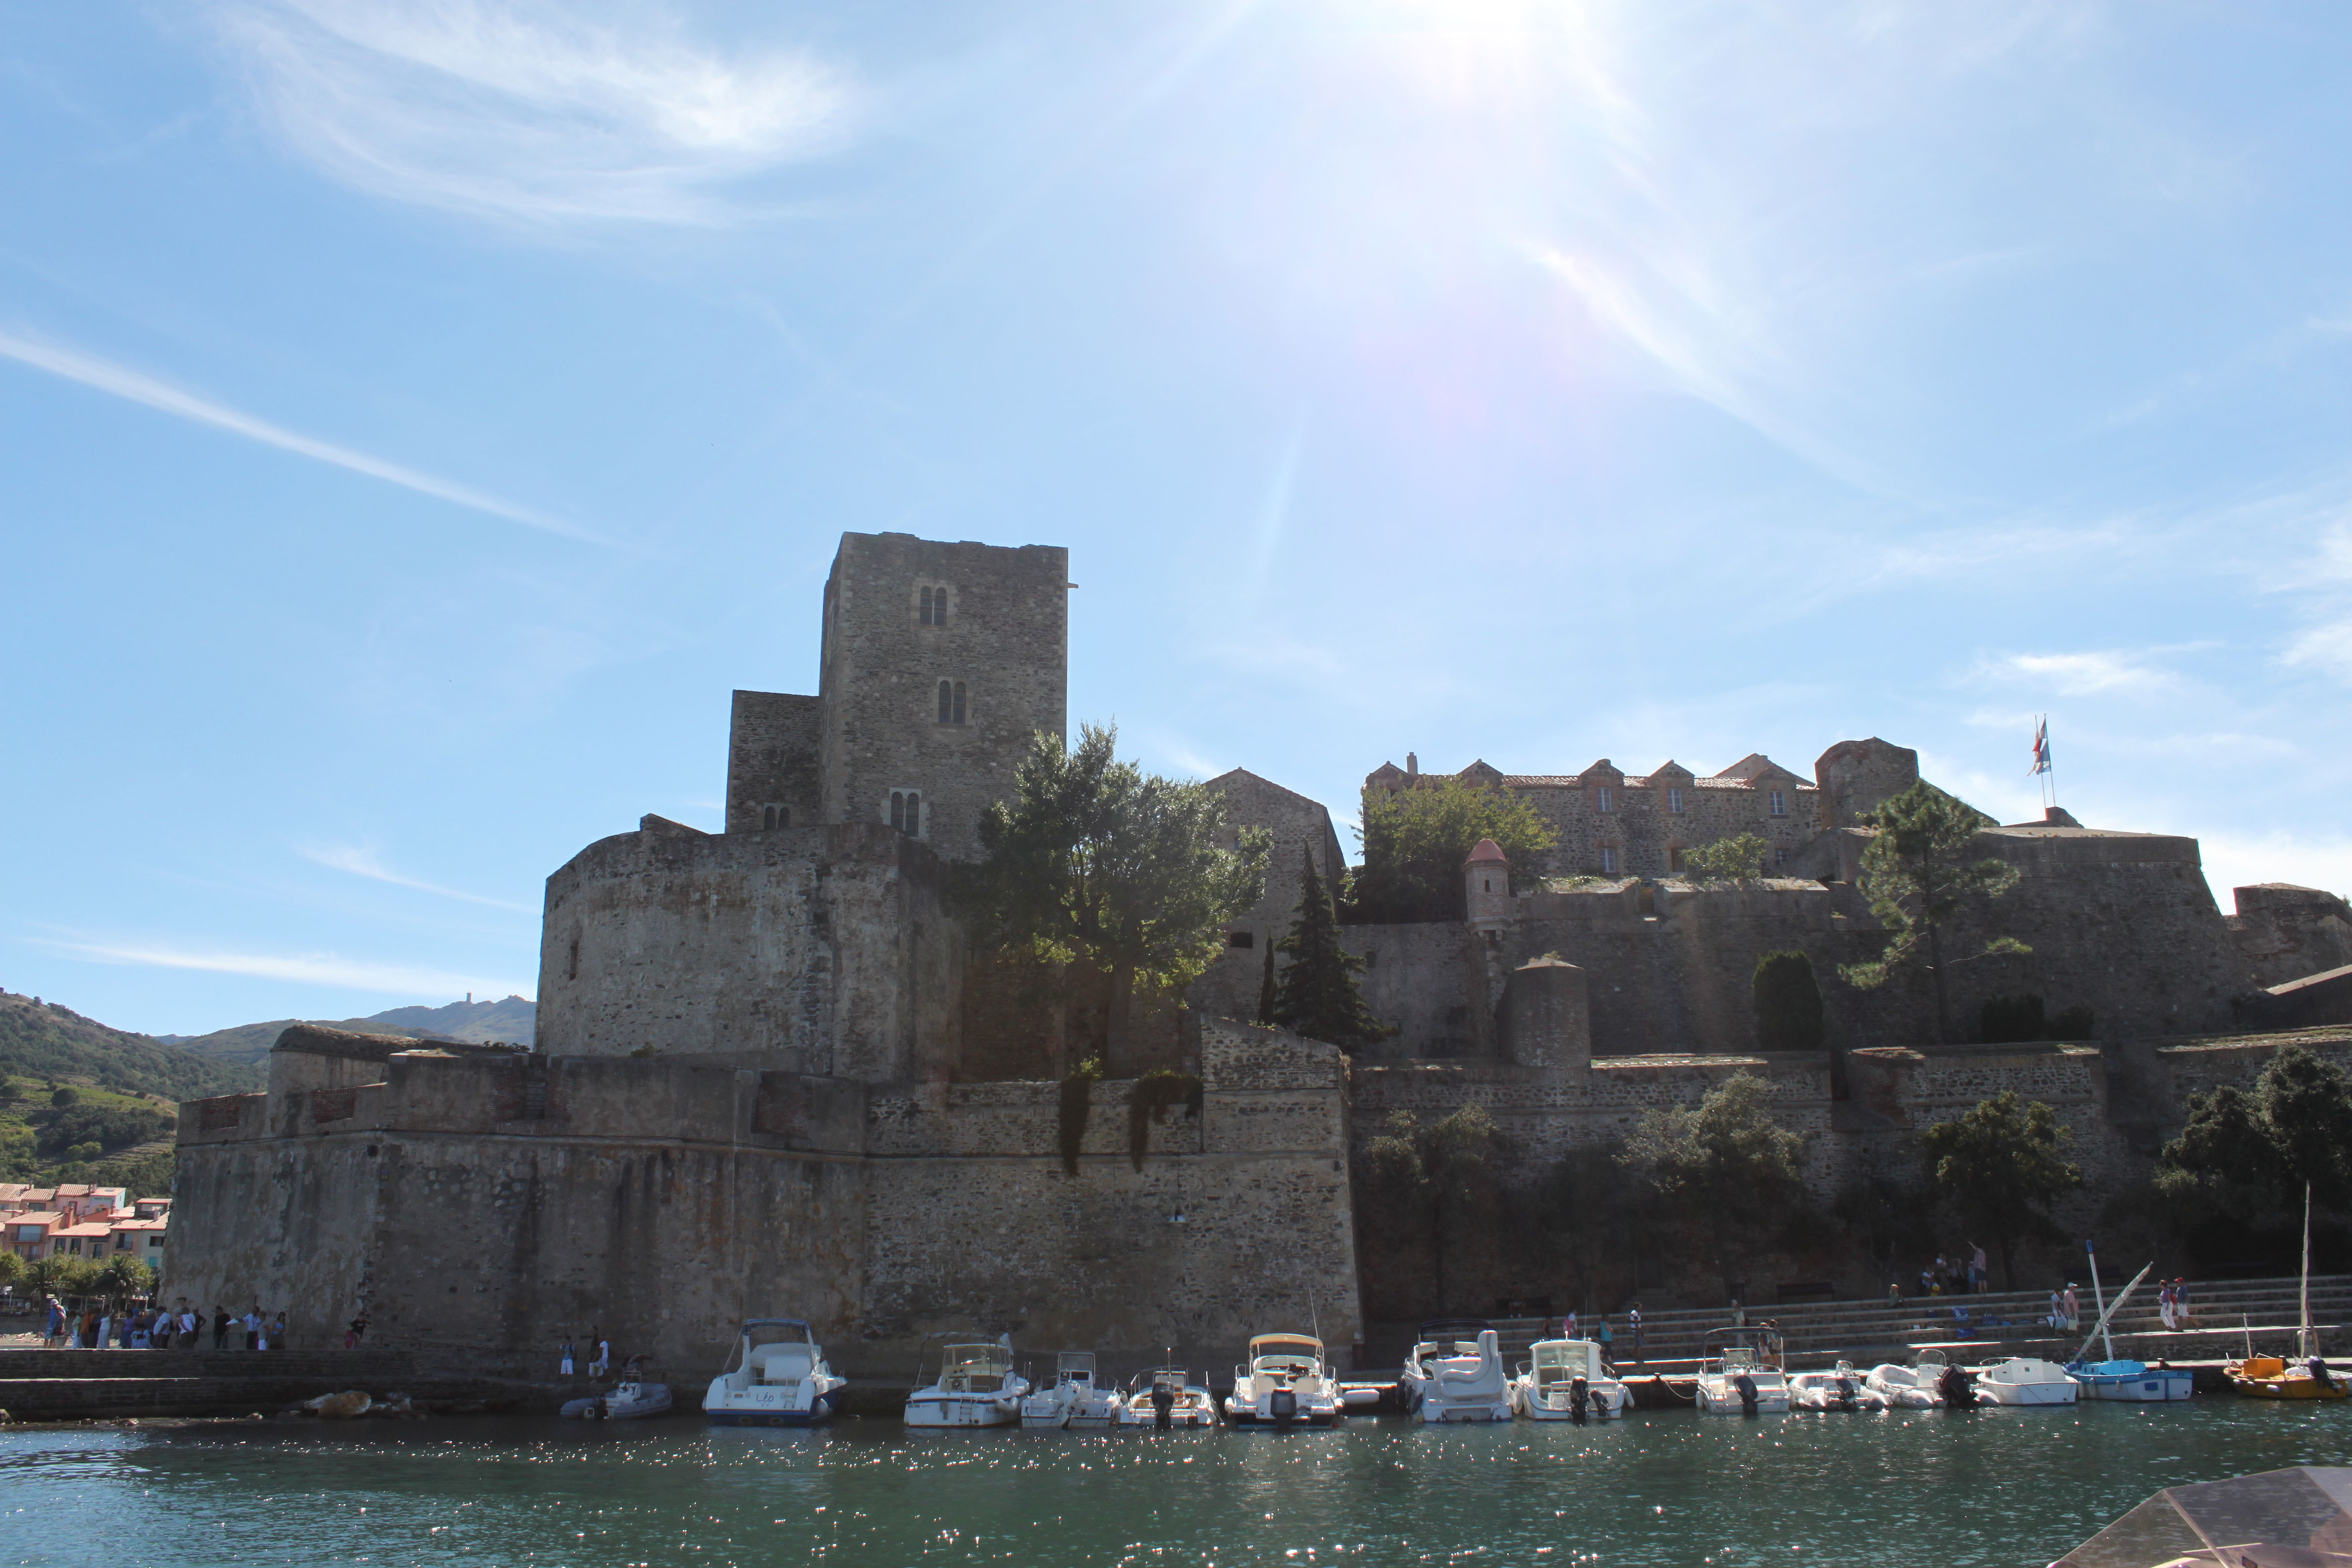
{"x": 1578, "y": 1392}
{"x": 1744, "y": 1386}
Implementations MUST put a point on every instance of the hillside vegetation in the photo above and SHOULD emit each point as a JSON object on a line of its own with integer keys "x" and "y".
{"x": 53, "y": 1132}
{"x": 41, "y": 1040}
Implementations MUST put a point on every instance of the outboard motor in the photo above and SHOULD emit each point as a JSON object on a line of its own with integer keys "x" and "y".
{"x": 1846, "y": 1393}
{"x": 2320, "y": 1374}
{"x": 1744, "y": 1386}
{"x": 1282, "y": 1403}
{"x": 1958, "y": 1388}
{"x": 1163, "y": 1399}
{"x": 1580, "y": 1393}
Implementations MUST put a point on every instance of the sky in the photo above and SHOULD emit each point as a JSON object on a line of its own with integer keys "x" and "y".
{"x": 417, "y": 416}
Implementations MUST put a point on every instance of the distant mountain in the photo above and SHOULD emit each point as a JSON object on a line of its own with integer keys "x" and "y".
{"x": 512, "y": 1020}
{"x": 42, "y": 1040}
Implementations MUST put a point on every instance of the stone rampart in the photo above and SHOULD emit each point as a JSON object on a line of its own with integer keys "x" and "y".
{"x": 482, "y": 1207}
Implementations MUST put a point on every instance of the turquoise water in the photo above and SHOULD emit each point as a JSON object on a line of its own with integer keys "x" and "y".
{"x": 2001, "y": 1487}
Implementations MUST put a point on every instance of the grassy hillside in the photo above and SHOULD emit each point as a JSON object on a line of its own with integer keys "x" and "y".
{"x": 512, "y": 1020}
{"x": 42, "y": 1041}
{"x": 80, "y": 1133}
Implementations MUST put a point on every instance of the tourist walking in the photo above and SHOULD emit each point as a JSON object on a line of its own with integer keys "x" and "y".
{"x": 567, "y": 1358}
{"x": 1603, "y": 1338}
{"x": 2181, "y": 1303}
{"x": 2164, "y": 1307}
{"x": 53, "y": 1329}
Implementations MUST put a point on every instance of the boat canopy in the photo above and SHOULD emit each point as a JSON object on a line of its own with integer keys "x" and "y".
{"x": 979, "y": 1358}
{"x": 1286, "y": 1344}
{"x": 2307, "y": 1510}
{"x": 1074, "y": 1361}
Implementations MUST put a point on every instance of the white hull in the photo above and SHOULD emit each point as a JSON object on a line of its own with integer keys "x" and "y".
{"x": 1603, "y": 1401}
{"x": 930, "y": 1409}
{"x": 2063, "y": 1393}
{"x": 630, "y": 1401}
{"x": 1717, "y": 1396}
{"x": 760, "y": 1406}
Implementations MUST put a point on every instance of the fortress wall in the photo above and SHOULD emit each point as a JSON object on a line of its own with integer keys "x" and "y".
{"x": 772, "y": 760}
{"x": 1427, "y": 982}
{"x": 664, "y": 1199}
{"x": 2284, "y": 932}
{"x": 825, "y": 944}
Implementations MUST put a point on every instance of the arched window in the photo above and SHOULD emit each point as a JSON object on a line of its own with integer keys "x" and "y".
{"x": 932, "y": 606}
{"x": 959, "y": 702}
{"x": 767, "y": 819}
{"x": 898, "y": 809}
{"x": 950, "y": 701}
{"x": 907, "y": 811}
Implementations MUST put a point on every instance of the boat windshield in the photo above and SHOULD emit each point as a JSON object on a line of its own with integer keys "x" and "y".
{"x": 974, "y": 1369}
{"x": 2307, "y": 1510}
{"x": 1558, "y": 1361}
{"x": 1075, "y": 1366}
{"x": 776, "y": 1349}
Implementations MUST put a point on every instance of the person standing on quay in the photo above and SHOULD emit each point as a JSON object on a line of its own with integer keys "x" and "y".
{"x": 277, "y": 1332}
{"x": 253, "y": 1327}
{"x": 1980, "y": 1271}
{"x": 567, "y": 1358}
{"x": 2181, "y": 1303}
{"x": 1603, "y": 1338}
{"x": 2073, "y": 1305}
{"x": 221, "y": 1321}
{"x": 1634, "y": 1318}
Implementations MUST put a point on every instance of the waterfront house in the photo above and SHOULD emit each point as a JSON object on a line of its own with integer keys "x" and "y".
{"x": 28, "y": 1232}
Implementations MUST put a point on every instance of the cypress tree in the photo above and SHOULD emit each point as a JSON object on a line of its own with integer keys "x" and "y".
{"x": 1265, "y": 989}
{"x": 1317, "y": 995}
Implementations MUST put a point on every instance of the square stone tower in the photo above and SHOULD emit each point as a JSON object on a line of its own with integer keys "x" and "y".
{"x": 941, "y": 662}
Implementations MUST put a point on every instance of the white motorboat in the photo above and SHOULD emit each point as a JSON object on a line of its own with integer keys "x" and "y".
{"x": 1565, "y": 1380}
{"x": 1072, "y": 1400}
{"x": 1739, "y": 1374}
{"x": 634, "y": 1397}
{"x": 1842, "y": 1389}
{"x": 1188, "y": 1404}
{"x": 1436, "y": 1333}
{"x": 1283, "y": 1383}
{"x": 2026, "y": 1380}
{"x": 776, "y": 1376}
{"x": 976, "y": 1387}
{"x": 1468, "y": 1383}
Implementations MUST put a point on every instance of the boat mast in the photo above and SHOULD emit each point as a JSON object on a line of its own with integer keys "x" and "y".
{"x": 2303, "y": 1330}
{"x": 2106, "y": 1341}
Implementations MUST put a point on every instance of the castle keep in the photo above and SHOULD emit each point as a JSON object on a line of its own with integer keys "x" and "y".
{"x": 771, "y": 1077}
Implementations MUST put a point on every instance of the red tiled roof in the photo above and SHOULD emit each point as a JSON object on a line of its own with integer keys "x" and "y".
{"x": 1487, "y": 850}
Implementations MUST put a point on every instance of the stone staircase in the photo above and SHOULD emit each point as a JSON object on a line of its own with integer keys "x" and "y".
{"x": 68, "y": 1386}
{"x": 1820, "y": 1333}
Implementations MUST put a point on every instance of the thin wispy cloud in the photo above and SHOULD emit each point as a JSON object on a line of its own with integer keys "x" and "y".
{"x": 2082, "y": 674}
{"x": 120, "y": 380}
{"x": 536, "y": 113}
{"x": 367, "y": 863}
{"x": 302, "y": 968}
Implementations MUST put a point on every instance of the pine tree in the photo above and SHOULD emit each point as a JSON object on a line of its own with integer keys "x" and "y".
{"x": 1317, "y": 993}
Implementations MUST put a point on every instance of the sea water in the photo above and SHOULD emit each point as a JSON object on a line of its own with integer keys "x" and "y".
{"x": 2004, "y": 1487}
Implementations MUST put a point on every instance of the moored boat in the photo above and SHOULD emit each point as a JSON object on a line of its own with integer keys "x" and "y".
{"x": 1284, "y": 1381}
{"x": 2132, "y": 1380}
{"x": 776, "y": 1376}
{"x": 637, "y": 1395}
{"x": 976, "y": 1387}
{"x": 1566, "y": 1380}
{"x": 2025, "y": 1380}
{"x": 1071, "y": 1400}
{"x": 1840, "y": 1389}
{"x": 1168, "y": 1390}
{"x": 1739, "y": 1374}
{"x": 2273, "y": 1377}
{"x": 1467, "y": 1384}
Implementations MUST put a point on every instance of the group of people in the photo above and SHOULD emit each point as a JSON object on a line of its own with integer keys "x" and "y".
{"x": 600, "y": 1356}
{"x": 1601, "y": 1334}
{"x": 144, "y": 1326}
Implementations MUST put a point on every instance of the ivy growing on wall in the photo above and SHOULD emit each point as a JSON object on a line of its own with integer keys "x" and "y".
{"x": 1077, "y": 1087}
{"x": 1157, "y": 1093}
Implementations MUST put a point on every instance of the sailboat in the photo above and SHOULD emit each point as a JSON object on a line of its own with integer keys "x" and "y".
{"x": 2268, "y": 1376}
{"x": 2115, "y": 1379}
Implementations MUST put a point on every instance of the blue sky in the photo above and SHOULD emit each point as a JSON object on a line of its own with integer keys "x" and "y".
{"x": 415, "y": 419}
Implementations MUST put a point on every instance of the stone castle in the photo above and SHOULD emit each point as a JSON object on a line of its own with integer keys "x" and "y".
{"x": 771, "y": 1078}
